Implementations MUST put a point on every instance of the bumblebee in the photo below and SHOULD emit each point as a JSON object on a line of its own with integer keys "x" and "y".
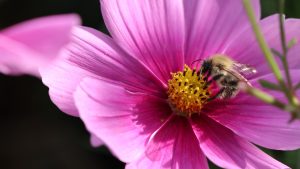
{"x": 226, "y": 73}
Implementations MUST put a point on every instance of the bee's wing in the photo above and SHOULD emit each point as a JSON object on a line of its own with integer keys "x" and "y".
{"x": 244, "y": 69}
{"x": 238, "y": 76}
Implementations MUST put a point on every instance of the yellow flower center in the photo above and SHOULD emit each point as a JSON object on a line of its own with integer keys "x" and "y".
{"x": 187, "y": 92}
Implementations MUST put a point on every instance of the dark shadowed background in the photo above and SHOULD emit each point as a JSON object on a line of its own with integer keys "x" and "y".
{"x": 34, "y": 133}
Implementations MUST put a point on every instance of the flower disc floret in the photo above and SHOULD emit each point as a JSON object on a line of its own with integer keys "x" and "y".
{"x": 188, "y": 92}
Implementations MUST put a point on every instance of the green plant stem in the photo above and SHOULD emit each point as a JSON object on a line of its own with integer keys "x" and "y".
{"x": 268, "y": 54}
{"x": 293, "y": 99}
{"x": 262, "y": 43}
{"x": 283, "y": 43}
{"x": 265, "y": 97}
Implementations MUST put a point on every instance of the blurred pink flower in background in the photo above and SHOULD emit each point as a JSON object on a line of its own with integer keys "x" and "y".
{"x": 120, "y": 84}
{"x": 27, "y": 46}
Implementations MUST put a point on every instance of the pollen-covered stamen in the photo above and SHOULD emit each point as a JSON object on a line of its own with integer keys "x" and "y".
{"x": 187, "y": 92}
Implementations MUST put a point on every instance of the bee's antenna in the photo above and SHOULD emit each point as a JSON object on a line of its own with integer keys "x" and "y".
{"x": 196, "y": 61}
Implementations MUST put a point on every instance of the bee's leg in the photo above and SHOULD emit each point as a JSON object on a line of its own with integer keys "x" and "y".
{"x": 207, "y": 74}
{"x": 217, "y": 94}
{"x": 199, "y": 73}
{"x": 217, "y": 77}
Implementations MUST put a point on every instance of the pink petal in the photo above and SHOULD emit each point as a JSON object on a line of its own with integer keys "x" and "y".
{"x": 27, "y": 46}
{"x": 152, "y": 31}
{"x": 173, "y": 146}
{"x": 123, "y": 120}
{"x": 228, "y": 150}
{"x": 245, "y": 48}
{"x": 212, "y": 24}
{"x": 62, "y": 78}
{"x": 258, "y": 122}
{"x": 14, "y": 62}
{"x": 95, "y": 141}
{"x": 92, "y": 54}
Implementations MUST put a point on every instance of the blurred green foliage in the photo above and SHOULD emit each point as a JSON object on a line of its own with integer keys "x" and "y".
{"x": 292, "y": 8}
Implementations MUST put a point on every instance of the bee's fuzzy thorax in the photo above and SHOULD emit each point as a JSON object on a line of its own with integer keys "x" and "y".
{"x": 223, "y": 60}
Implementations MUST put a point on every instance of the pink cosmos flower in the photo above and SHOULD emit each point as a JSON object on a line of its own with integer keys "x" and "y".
{"x": 121, "y": 85}
{"x": 27, "y": 46}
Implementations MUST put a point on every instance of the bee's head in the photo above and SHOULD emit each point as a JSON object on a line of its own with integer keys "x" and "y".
{"x": 206, "y": 65}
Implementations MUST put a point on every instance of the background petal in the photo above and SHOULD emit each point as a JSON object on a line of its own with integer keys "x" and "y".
{"x": 228, "y": 150}
{"x": 29, "y": 45}
{"x": 152, "y": 31}
{"x": 93, "y": 54}
{"x": 122, "y": 119}
{"x": 211, "y": 25}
